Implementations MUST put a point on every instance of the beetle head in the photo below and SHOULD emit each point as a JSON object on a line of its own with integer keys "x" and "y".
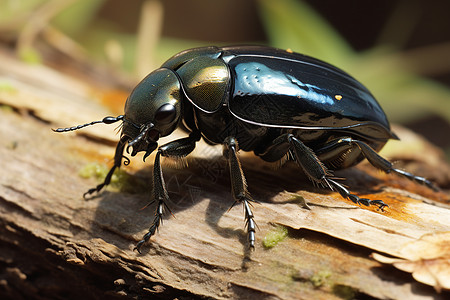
{"x": 152, "y": 111}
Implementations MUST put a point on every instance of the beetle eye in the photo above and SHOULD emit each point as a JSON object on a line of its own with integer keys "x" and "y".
{"x": 165, "y": 114}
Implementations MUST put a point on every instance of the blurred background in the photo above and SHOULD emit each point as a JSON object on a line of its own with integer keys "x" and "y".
{"x": 400, "y": 49}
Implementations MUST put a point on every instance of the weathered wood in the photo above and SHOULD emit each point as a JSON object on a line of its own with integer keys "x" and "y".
{"x": 55, "y": 244}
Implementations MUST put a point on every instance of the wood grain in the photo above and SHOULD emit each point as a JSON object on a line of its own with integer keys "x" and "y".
{"x": 55, "y": 244}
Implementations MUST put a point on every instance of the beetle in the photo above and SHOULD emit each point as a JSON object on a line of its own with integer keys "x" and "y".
{"x": 279, "y": 104}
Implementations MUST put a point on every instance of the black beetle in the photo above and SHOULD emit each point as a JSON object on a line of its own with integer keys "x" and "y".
{"x": 279, "y": 104}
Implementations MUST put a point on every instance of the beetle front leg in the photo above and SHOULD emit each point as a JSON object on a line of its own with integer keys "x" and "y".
{"x": 239, "y": 186}
{"x": 117, "y": 163}
{"x": 178, "y": 148}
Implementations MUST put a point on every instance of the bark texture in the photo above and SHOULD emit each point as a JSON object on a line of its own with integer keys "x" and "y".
{"x": 56, "y": 245}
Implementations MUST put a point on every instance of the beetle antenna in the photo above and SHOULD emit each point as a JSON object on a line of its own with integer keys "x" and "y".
{"x": 106, "y": 120}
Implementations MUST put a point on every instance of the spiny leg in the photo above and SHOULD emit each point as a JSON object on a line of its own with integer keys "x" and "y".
{"x": 239, "y": 187}
{"x": 160, "y": 196}
{"x": 379, "y": 162}
{"x": 314, "y": 168}
{"x": 355, "y": 199}
{"x": 178, "y": 148}
{"x": 117, "y": 163}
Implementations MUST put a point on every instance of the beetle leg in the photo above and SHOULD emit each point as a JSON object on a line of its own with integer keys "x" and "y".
{"x": 117, "y": 163}
{"x": 355, "y": 199}
{"x": 315, "y": 169}
{"x": 379, "y": 162}
{"x": 178, "y": 148}
{"x": 239, "y": 186}
{"x": 304, "y": 156}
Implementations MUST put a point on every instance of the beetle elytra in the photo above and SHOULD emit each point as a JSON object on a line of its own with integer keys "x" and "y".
{"x": 276, "y": 103}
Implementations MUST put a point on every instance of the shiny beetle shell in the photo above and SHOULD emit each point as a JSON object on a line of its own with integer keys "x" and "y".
{"x": 279, "y": 104}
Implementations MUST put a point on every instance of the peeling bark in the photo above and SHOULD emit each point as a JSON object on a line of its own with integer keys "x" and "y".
{"x": 55, "y": 244}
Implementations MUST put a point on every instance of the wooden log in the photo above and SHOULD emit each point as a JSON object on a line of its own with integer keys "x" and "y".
{"x": 55, "y": 244}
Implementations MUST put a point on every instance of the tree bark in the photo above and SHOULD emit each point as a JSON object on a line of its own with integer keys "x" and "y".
{"x": 56, "y": 245}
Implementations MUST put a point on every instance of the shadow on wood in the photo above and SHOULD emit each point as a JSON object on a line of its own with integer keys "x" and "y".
{"x": 55, "y": 244}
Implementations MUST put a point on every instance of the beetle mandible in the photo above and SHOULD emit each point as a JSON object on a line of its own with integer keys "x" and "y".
{"x": 279, "y": 104}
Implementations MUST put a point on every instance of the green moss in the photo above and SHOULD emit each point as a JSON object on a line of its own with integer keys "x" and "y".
{"x": 6, "y": 108}
{"x": 6, "y": 86}
{"x": 119, "y": 179}
{"x": 93, "y": 170}
{"x": 275, "y": 236}
{"x": 30, "y": 56}
{"x": 320, "y": 278}
{"x": 344, "y": 291}
{"x": 294, "y": 197}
